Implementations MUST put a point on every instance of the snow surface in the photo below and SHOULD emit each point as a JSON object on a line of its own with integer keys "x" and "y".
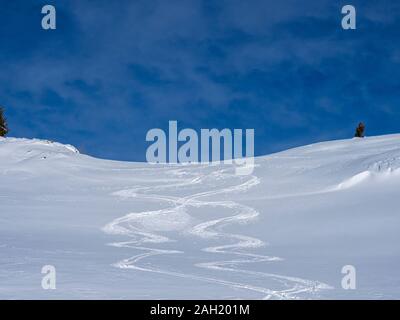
{"x": 124, "y": 230}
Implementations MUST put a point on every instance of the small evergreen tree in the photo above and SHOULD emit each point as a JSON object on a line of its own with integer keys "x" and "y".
{"x": 360, "y": 130}
{"x": 3, "y": 124}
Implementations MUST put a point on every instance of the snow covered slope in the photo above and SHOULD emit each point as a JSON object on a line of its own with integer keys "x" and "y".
{"x": 140, "y": 231}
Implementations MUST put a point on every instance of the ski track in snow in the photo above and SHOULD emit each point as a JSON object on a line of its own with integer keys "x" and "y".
{"x": 131, "y": 225}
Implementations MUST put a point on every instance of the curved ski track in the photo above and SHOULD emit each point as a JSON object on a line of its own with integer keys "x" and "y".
{"x": 212, "y": 229}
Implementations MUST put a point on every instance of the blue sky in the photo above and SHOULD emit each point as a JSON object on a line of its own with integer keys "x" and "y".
{"x": 115, "y": 69}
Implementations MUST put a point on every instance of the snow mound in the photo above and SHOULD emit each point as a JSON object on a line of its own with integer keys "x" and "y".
{"x": 21, "y": 149}
{"x": 354, "y": 180}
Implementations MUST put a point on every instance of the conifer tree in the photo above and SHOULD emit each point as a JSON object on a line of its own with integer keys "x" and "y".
{"x": 3, "y": 123}
{"x": 360, "y": 130}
